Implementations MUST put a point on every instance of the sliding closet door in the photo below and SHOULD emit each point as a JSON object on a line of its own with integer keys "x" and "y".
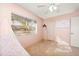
{"x": 75, "y": 31}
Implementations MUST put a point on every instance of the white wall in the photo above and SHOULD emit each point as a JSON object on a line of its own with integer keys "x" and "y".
{"x": 75, "y": 31}
{"x": 64, "y": 32}
{"x": 50, "y": 30}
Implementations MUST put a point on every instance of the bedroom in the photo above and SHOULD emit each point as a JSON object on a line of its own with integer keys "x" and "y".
{"x": 39, "y": 29}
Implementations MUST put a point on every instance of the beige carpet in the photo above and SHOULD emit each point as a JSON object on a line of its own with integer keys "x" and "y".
{"x": 49, "y": 48}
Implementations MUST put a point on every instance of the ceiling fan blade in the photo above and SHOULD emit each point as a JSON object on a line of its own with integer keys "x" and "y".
{"x": 41, "y": 6}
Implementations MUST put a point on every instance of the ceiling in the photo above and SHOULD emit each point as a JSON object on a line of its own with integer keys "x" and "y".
{"x": 42, "y": 9}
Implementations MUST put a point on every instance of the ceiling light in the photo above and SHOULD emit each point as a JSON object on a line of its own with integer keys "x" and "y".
{"x": 51, "y": 8}
{"x": 54, "y": 7}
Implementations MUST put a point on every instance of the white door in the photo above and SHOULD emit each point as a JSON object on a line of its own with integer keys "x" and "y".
{"x": 75, "y": 31}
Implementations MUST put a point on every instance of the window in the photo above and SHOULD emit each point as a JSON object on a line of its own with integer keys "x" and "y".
{"x": 22, "y": 25}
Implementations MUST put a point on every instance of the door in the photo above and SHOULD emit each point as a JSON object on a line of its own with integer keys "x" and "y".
{"x": 75, "y": 31}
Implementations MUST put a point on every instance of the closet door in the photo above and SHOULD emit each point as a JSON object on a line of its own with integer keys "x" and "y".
{"x": 75, "y": 31}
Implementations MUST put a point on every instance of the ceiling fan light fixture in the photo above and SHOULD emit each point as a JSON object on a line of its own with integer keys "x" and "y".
{"x": 52, "y": 8}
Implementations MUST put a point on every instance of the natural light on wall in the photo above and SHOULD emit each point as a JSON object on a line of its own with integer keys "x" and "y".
{"x": 63, "y": 23}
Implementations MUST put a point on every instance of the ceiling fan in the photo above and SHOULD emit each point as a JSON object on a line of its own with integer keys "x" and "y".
{"x": 51, "y": 7}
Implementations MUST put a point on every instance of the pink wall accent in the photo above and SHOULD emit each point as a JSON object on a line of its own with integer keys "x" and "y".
{"x": 63, "y": 33}
{"x": 5, "y": 23}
